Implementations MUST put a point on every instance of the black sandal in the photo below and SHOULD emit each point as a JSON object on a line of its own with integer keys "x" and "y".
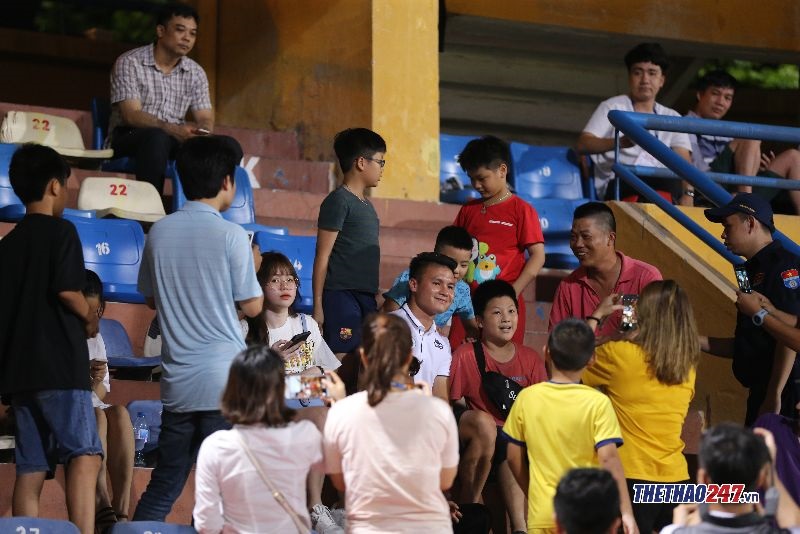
{"x": 104, "y": 519}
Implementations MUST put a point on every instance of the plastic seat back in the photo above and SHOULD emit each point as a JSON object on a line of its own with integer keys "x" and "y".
{"x": 101, "y": 114}
{"x": 300, "y": 250}
{"x": 11, "y": 207}
{"x": 152, "y": 414}
{"x": 60, "y": 133}
{"x": 113, "y": 249}
{"x": 126, "y": 199}
{"x": 255, "y": 228}
{"x": 555, "y": 217}
{"x": 36, "y": 525}
{"x": 546, "y": 172}
{"x": 115, "y": 338}
{"x": 150, "y": 527}
{"x": 454, "y": 184}
{"x": 242, "y": 210}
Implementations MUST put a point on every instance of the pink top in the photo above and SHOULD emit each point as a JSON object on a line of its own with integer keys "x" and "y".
{"x": 576, "y": 298}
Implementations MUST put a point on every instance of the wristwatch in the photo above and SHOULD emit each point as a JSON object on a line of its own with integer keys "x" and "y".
{"x": 758, "y": 318}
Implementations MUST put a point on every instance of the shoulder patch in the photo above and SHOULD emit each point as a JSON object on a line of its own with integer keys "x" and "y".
{"x": 791, "y": 278}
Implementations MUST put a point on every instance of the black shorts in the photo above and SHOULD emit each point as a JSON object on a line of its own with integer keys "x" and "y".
{"x": 500, "y": 443}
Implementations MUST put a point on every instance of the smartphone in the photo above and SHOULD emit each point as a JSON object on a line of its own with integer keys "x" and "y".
{"x": 304, "y": 387}
{"x": 299, "y": 338}
{"x": 628, "y": 321}
{"x": 742, "y": 279}
{"x": 202, "y": 131}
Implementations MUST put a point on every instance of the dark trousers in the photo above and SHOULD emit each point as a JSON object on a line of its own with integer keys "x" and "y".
{"x": 180, "y": 439}
{"x": 151, "y": 149}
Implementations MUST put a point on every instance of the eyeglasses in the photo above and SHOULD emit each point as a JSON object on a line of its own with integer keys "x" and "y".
{"x": 277, "y": 282}
{"x": 413, "y": 367}
{"x": 381, "y": 162}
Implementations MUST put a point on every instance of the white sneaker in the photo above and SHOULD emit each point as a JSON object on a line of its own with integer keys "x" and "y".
{"x": 340, "y": 516}
{"x": 322, "y": 520}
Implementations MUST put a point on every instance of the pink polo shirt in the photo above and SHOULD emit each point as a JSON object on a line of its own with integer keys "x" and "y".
{"x": 576, "y": 298}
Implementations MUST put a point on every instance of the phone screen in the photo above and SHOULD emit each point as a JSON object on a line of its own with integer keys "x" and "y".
{"x": 742, "y": 279}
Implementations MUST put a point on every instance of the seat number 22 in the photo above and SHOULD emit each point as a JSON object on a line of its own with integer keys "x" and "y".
{"x": 118, "y": 190}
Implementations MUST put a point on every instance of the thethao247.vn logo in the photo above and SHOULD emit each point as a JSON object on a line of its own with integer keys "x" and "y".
{"x": 693, "y": 493}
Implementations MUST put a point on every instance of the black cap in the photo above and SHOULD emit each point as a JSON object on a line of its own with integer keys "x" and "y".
{"x": 747, "y": 203}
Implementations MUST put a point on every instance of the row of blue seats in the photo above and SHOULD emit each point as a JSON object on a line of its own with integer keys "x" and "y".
{"x": 36, "y": 525}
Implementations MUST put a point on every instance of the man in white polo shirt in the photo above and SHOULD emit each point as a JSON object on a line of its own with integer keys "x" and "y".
{"x": 432, "y": 286}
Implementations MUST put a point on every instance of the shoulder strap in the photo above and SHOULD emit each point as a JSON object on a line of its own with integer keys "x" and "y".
{"x": 303, "y": 322}
{"x": 479, "y": 357}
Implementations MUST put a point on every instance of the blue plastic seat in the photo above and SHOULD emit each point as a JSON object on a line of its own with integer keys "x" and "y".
{"x": 255, "y": 228}
{"x": 555, "y": 217}
{"x": 300, "y": 250}
{"x": 11, "y": 207}
{"x": 85, "y": 214}
{"x": 242, "y": 210}
{"x": 546, "y": 172}
{"x": 113, "y": 249}
{"x": 150, "y": 527}
{"x": 152, "y": 414}
{"x": 454, "y": 184}
{"x": 118, "y": 347}
{"x": 36, "y": 525}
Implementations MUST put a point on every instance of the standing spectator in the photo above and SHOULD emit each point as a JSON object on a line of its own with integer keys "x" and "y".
{"x": 603, "y": 270}
{"x": 152, "y": 87}
{"x": 44, "y": 323}
{"x": 348, "y": 254}
{"x": 504, "y": 226}
{"x": 196, "y": 268}
{"x": 765, "y": 366}
{"x": 647, "y": 64}
{"x": 587, "y": 502}
{"x": 392, "y": 449}
{"x": 649, "y": 378}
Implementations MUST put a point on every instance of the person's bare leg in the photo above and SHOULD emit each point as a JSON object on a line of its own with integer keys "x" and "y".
{"x": 120, "y": 455}
{"x": 513, "y": 497}
{"x": 27, "y": 489}
{"x": 315, "y": 481}
{"x": 746, "y": 159}
{"x": 478, "y": 431}
{"x": 80, "y": 489}
{"x": 787, "y": 164}
{"x": 102, "y": 496}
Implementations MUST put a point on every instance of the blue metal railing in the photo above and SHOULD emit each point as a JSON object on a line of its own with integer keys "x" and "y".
{"x": 635, "y": 126}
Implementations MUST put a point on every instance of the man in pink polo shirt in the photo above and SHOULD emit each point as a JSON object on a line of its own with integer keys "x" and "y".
{"x": 603, "y": 270}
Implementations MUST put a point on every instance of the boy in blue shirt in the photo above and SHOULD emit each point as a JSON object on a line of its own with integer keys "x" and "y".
{"x": 44, "y": 323}
{"x": 456, "y": 243}
{"x": 348, "y": 254}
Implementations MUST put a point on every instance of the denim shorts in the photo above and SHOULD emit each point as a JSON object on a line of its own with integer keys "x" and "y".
{"x": 53, "y": 425}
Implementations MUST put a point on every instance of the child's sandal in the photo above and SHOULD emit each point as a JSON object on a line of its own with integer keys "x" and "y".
{"x": 104, "y": 519}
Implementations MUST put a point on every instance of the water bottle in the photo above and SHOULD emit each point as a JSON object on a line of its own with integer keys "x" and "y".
{"x": 141, "y": 433}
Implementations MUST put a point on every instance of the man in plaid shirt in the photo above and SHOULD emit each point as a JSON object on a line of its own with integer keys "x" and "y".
{"x": 152, "y": 87}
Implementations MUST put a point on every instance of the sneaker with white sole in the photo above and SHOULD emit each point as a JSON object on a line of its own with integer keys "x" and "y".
{"x": 323, "y": 522}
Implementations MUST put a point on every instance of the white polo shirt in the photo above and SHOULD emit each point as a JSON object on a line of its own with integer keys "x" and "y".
{"x": 432, "y": 350}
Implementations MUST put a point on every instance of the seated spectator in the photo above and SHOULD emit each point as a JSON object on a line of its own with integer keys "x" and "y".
{"x": 730, "y": 454}
{"x": 152, "y": 88}
{"x": 649, "y": 376}
{"x": 456, "y": 243}
{"x": 431, "y": 284}
{"x": 479, "y": 420}
{"x": 587, "y": 502}
{"x": 277, "y": 324}
{"x": 560, "y": 424}
{"x": 392, "y": 449}
{"x": 647, "y": 64}
{"x": 715, "y": 92}
{"x": 603, "y": 270}
{"x": 238, "y": 470}
{"x": 113, "y": 425}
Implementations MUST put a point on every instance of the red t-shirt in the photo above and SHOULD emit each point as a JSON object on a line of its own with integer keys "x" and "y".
{"x": 525, "y": 368}
{"x": 503, "y": 234}
{"x": 576, "y": 298}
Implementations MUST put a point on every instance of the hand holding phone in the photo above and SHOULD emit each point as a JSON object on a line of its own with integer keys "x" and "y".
{"x": 742, "y": 279}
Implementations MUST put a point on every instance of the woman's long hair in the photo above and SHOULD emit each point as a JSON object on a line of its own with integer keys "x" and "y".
{"x": 386, "y": 342}
{"x": 667, "y": 332}
{"x": 272, "y": 263}
{"x": 255, "y": 389}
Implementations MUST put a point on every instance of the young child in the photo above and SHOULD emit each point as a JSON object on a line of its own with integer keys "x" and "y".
{"x": 113, "y": 424}
{"x": 456, "y": 243}
{"x": 44, "y": 323}
{"x": 479, "y": 420}
{"x": 348, "y": 255}
{"x": 563, "y": 424}
{"x": 505, "y": 227}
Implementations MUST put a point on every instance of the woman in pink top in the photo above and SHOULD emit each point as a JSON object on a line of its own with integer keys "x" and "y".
{"x": 393, "y": 448}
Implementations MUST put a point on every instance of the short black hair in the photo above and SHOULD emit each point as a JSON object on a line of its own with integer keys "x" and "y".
{"x": 31, "y": 169}
{"x": 489, "y": 290}
{"x": 732, "y": 454}
{"x": 488, "y": 151}
{"x": 355, "y": 143}
{"x": 453, "y": 236}
{"x": 166, "y": 13}
{"x": 717, "y": 78}
{"x": 599, "y": 211}
{"x": 647, "y": 52}
{"x": 421, "y": 262}
{"x": 94, "y": 286}
{"x": 587, "y": 501}
{"x": 571, "y": 344}
{"x": 203, "y": 162}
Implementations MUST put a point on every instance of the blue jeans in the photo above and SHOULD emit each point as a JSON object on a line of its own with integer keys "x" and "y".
{"x": 180, "y": 439}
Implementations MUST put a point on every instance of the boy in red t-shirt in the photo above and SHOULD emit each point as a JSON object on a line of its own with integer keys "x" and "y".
{"x": 505, "y": 226}
{"x": 479, "y": 420}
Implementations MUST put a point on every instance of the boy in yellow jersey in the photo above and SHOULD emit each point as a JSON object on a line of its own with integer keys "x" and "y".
{"x": 563, "y": 424}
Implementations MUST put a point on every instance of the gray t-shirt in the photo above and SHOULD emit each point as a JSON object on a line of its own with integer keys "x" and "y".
{"x": 356, "y": 255}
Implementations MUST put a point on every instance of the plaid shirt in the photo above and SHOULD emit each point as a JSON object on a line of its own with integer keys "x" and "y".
{"x": 167, "y": 96}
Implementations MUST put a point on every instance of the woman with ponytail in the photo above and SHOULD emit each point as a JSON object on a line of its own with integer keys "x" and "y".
{"x": 392, "y": 447}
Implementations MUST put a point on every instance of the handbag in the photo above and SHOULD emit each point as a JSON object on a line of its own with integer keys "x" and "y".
{"x": 501, "y": 390}
{"x": 299, "y": 522}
